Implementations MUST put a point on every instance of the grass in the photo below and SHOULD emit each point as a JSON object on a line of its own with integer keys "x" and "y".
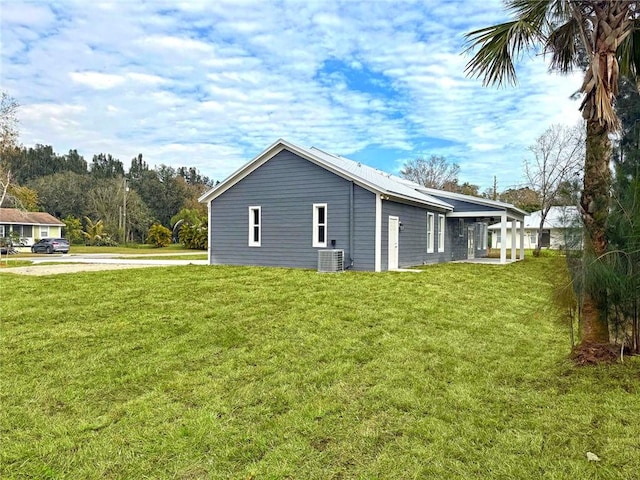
{"x": 13, "y": 262}
{"x": 459, "y": 372}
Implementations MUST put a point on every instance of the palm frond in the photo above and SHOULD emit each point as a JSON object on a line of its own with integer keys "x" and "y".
{"x": 563, "y": 45}
{"x": 536, "y": 12}
{"x": 629, "y": 53}
{"x": 499, "y": 46}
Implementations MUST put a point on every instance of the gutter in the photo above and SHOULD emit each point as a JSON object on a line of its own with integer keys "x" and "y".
{"x": 351, "y": 223}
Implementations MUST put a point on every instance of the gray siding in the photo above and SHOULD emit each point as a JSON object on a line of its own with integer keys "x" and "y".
{"x": 286, "y": 187}
{"x": 365, "y": 229}
{"x": 458, "y": 235}
{"x": 462, "y": 206}
{"x": 412, "y": 249}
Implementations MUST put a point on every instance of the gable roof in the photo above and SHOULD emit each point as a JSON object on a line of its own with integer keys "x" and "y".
{"x": 369, "y": 178}
{"x": 16, "y": 216}
{"x": 558, "y": 217}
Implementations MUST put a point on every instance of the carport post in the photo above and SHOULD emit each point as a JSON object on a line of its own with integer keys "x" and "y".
{"x": 503, "y": 238}
{"x": 514, "y": 225}
{"x": 522, "y": 239}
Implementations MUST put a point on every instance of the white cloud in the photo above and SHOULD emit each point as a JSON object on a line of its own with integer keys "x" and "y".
{"x": 180, "y": 44}
{"x": 211, "y": 84}
{"x": 97, "y": 80}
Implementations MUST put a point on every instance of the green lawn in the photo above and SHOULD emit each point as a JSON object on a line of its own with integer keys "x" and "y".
{"x": 458, "y": 372}
{"x": 9, "y": 262}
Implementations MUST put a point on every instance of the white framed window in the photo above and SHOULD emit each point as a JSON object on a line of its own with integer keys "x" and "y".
{"x": 255, "y": 226}
{"x": 480, "y": 236}
{"x": 1, "y": 230}
{"x": 319, "y": 225}
{"x": 44, "y": 232}
{"x": 498, "y": 238}
{"x": 533, "y": 237}
{"x": 461, "y": 227}
{"x": 430, "y": 232}
{"x": 440, "y": 233}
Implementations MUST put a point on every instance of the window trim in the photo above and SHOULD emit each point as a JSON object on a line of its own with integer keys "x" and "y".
{"x": 44, "y": 231}
{"x": 253, "y": 225}
{"x": 441, "y": 230}
{"x": 316, "y": 225}
{"x": 430, "y": 232}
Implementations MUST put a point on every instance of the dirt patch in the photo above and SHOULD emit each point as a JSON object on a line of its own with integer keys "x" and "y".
{"x": 69, "y": 268}
{"x": 595, "y": 353}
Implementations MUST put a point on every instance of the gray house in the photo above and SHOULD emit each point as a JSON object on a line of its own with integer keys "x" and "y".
{"x": 290, "y": 206}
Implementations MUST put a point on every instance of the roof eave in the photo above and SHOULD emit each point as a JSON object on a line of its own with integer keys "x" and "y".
{"x": 271, "y": 152}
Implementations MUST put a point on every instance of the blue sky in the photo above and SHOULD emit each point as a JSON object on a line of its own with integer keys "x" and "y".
{"x": 211, "y": 84}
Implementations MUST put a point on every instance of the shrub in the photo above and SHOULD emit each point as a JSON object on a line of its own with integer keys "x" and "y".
{"x": 159, "y": 236}
{"x": 194, "y": 236}
{"x": 105, "y": 241}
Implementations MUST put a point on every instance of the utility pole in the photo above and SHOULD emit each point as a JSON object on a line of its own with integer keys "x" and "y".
{"x": 495, "y": 188}
{"x": 124, "y": 211}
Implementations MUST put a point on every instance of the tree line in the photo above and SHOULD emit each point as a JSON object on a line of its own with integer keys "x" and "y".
{"x": 82, "y": 193}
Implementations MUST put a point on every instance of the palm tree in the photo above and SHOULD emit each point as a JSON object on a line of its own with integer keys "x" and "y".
{"x": 602, "y": 37}
{"x": 93, "y": 232}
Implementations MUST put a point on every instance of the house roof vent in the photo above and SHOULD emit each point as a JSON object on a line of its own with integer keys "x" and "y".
{"x": 330, "y": 261}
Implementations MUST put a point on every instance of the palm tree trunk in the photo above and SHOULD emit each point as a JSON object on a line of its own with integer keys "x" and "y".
{"x": 595, "y": 209}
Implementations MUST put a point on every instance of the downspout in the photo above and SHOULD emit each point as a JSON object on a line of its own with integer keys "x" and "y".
{"x": 351, "y": 224}
{"x": 210, "y": 226}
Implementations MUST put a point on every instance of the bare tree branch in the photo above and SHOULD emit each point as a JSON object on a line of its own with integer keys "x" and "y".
{"x": 557, "y": 158}
{"x": 434, "y": 172}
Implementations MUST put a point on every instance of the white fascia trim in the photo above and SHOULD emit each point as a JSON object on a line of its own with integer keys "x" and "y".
{"x": 438, "y": 206}
{"x": 243, "y": 171}
{"x": 378, "y": 236}
{"x": 478, "y": 213}
{"x": 33, "y": 224}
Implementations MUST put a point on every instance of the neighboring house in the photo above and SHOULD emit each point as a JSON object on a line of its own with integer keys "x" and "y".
{"x": 29, "y": 226}
{"x": 290, "y": 203}
{"x": 562, "y": 228}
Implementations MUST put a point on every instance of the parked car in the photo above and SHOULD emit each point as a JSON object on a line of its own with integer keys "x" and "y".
{"x": 50, "y": 245}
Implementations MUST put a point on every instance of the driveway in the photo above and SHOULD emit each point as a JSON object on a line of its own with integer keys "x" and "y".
{"x": 72, "y": 263}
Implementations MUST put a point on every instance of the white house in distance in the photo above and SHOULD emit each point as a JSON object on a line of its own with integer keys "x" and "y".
{"x": 561, "y": 228}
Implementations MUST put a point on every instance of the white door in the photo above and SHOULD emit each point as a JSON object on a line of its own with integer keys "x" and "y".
{"x": 470, "y": 242}
{"x": 394, "y": 223}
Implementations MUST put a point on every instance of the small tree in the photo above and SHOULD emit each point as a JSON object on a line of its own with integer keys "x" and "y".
{"x": 159, "y": 236}
{"x": 557, "y": 156}
{"x": 73, "y": 229}
{"x": 434, "y": 172}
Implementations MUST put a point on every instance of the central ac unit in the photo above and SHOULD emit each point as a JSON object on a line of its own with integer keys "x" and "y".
{"x": 330, "y": 261}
